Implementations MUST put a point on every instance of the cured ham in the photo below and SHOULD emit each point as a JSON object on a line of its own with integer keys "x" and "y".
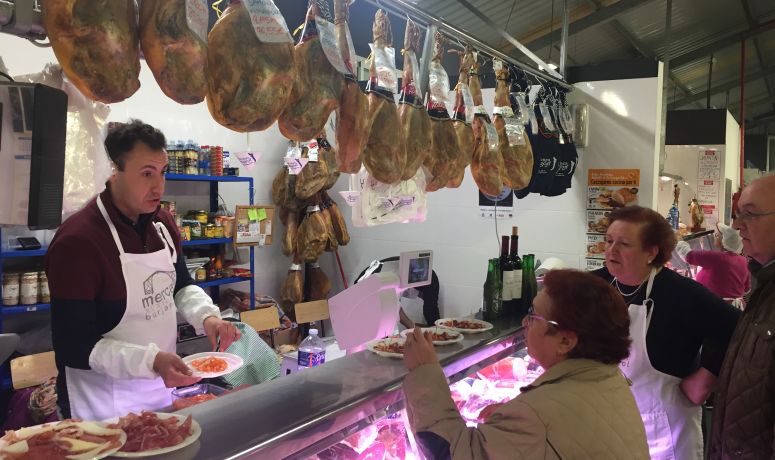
{"x": 68, "y": 439}
{"x": 176, "y": 55}
{"x": 486, "y": 162}
{"x": 517, "y": 159}
{"x": 248, "y": 81}
{"x": 148, "y": 431}
{"x": 385, "y": 153}
{"x": 316, "y": 88}
{"x": 446, "y": 149}
{"x": 97, "y": 45}
{"x": 353, "y": 119}
{"x": 415, "y": 122}
{"x": 465, "y": 134}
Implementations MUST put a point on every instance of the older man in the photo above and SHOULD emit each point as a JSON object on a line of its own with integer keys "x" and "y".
{"x": 744, "y": 416}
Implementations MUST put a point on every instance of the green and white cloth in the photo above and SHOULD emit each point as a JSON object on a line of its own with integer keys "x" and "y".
{"x": 261, "y": 363}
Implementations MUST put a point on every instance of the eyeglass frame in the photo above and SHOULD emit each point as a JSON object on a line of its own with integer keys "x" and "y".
{"x": 749, "y": 216}
{"x": 532, "y": 316}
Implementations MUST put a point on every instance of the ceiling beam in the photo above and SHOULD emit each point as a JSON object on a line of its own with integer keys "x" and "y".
{"x": 601, "y": 16}
{"x": 764, "y": 118}
{"x": 753, "y": 23}
{"x": 723, "y": 42}
{"x": 734, "y": 83}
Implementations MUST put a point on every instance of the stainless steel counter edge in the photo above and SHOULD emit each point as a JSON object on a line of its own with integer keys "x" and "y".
{"x": 297, "y": 415}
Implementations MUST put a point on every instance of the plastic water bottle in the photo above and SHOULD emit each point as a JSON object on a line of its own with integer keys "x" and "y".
{"x": 312, "y": 351}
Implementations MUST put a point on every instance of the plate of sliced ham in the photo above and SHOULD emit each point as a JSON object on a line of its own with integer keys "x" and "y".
{"x": 213, "y": 364}
{"x": 464, "y": 325}
{"x": 155, "y": 433}
{"x": 439, "y": 335}
{"x": 68, "y": 439}
{"x": 391, "y": 347}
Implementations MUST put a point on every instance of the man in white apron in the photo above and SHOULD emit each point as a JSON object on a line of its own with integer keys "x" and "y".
{"x": 672, "y": 422}
{"x": 117, "y": 279}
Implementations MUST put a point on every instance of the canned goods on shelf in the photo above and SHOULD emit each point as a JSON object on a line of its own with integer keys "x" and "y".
{"x": 44, "y": 294}
{"x": 28, "y": 288}
{"x": 209, "y": 231}
{"x": 11, "y": 288}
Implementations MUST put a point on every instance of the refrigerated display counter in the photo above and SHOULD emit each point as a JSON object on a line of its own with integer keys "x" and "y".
{"x": 304, "y": 414}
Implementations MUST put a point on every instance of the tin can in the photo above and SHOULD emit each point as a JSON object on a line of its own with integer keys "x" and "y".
{"x": 44, "y": 295}
{"x": 10, "y": 289}
{"x": 28, "y": 288}
{"x": 200, "y": 274}
{"x": 209, "y": 231}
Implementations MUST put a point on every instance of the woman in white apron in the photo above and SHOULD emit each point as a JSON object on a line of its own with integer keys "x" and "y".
{"x": 674, "y": 323}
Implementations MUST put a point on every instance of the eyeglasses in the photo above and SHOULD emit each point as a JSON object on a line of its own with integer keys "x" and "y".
{"x": 531, "y": 317}
{"x": 748, "y": 216}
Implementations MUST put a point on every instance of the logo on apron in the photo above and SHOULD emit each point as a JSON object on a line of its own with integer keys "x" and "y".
{"x": 159, "y": 289}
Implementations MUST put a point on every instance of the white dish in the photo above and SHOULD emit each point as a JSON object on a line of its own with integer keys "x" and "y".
{"x": 196, "y": 431}
{"x": 233, "y": 362}
{"x": 458, "y": 336}
{"x": 447, "y": 322}
{"x": 31, "y": 431}
{"x": 371, "y": 346}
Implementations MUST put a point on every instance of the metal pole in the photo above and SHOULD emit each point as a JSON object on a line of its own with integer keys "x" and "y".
{"x": 742, "y": 110}
{"x": 422, "y": 17}
{"x": 665, "y": 83}
{"x": 564, "y": 38}
{"x": 710, "y": 78}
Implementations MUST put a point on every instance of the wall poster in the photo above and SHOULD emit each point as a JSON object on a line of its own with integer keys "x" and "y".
{"x": 709, "y": 185}
{"x": 607, "y": 189}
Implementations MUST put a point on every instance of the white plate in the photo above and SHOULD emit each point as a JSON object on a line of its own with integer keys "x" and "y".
{"x": 233, "y": 362}
{"x": 196, "y": 431}
{"x": 40, "y": 428}
{"x": 371, "y": 346}
{"x": 442, "y": 322}
{"x": 458, "y": 336}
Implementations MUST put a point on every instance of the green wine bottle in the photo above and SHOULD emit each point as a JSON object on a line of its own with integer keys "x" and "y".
{"x": 492, "y": 305}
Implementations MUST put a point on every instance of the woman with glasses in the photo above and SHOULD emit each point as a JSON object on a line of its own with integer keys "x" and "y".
{"x": 581, "y": 407}
{"x": 680, "y": 331}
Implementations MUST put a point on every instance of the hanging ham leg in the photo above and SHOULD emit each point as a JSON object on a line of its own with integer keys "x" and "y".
{"x": 316, "y": 89}
{"x": 415, "y": 122}
{"x": 486, "y": 162}
{"x": 465, "y": 134}
{"x": 353, "y": 122}
{"x": 517, "y": 159}
{"x": 96, "y": 43}
{"x": 385, "y": 154}
{"x": 248, "y": 81}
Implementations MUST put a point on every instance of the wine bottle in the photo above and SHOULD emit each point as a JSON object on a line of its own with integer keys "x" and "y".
{"x": 516, "y": 266}
{"x": 491, "y": 300}
{"x": 507, "y": 278}
{"x": 529, "y": 284}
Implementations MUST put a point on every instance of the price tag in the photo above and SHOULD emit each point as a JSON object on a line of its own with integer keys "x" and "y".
{"x": 295, "y": 165}
{"x": 497, "y": 65}
{"x": 268, "y": 225}
{"x": 261, "y": 240}
{"x": 330, "y": 46}
{"x": 384, "y": 62}
{"x": 268, "y": 22}
{"x": 248, "y": 159}
{"x": 312, "y": 151}
{"x": 468, "y": 100}
{"x": 197, "y": 18}
{"x": 350, "y": 197}
{"x": 492, "y": 135}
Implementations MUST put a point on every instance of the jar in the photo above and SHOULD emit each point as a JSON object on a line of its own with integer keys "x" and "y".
{"x": 44, "y": 295}
{"x": 28, "y": 288}
{"x": 209, "y": 231}
{"x": 195, "y": 227}
{"x": 200, "y": 274}
{"x": 185, "y": 232}
{"x": 219, "y": 230}
{"x": 228, "y": 226}
{"x": 10, "y": 289}
{"x": 201, "y": 216}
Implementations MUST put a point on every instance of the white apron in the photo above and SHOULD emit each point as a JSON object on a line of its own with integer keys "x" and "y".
{"x": 672, "y": 422}
{"x": 149, "y": 318}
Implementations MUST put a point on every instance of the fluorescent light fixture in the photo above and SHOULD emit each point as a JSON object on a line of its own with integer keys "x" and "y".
{"x": 552, "y": 66}
{"x": 667, "y": 176}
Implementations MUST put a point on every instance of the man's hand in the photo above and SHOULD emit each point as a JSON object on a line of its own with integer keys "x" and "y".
{"x": 698, "y": 386}
{"x": 216, "y": 328}
{"x": 418, "y": 349}
{"x": 173, "y": 370}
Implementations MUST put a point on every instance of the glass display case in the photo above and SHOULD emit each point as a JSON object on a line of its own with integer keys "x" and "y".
{"x": 353, "y": 407}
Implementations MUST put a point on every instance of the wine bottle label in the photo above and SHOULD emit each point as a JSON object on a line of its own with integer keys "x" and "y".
{"x": 509, "y": 288}
{"x": 517, "y": 274}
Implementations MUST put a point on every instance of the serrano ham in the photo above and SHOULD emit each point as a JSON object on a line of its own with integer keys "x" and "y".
{"x": 465, "y": 134}
{"x": 486, "y": 162}
{"x": 517, "y": 159}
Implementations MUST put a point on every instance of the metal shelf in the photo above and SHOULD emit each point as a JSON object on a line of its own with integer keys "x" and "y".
{"x": 198, "y": 178}
{"x": 233, "y": 279}
{"x": 23, "y": 253}
{"x": 17, "y": 309}
{"x": 205, "y": 241}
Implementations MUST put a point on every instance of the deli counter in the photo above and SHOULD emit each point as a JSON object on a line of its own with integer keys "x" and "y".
{"x": 357, "y": 398}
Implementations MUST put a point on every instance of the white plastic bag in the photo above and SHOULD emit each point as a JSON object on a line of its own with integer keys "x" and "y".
{"x": 380, "y": 204}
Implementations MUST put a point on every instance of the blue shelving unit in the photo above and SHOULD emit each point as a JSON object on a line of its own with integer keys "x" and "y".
{"x": 219, "y": 282}
{"x": 16, "y": 253}
{"x": 18, "y": 309}
{"x": 206, "y": 241}
{"x": 216, "y": 179}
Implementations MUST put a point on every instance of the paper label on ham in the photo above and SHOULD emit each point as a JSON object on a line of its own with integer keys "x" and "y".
{"x": 198, "y": 17}
{"x": 350, "y": 61}
{"x": 294, "y": 151}
{"x": 468, "y": 100}
{"x": 248, "y": 159}
{"x": 438, "y": 82}
{"x": 497, "y": 65}
{"x": 480, "y": 110}
{"x": 515, "y": 132}
{"x": 505, "y": 112}
{"x": 329, "y": 43}
{"x": 416, "y": 72}
{"x": 492, "y": 135}
{"x": 384, "y": 62}
{"x": 268, "y": 23}
{"x": 312, "y": 151}
{"x": 350, "y": 197}
{"x": 295, "y": 165}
